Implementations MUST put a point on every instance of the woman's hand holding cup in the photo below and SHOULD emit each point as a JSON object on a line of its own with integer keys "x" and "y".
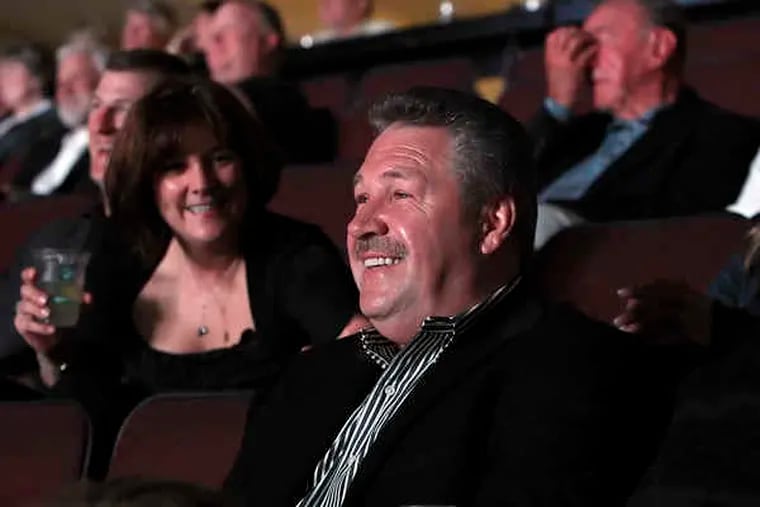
{"x": 33, "y": 313}
{"x": 32, "y": 319}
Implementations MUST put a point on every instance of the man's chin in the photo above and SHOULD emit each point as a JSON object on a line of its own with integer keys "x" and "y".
{"x": 97, "y": 175}
{"x": 375, "y": 308}
{"x": 603, "y": 101}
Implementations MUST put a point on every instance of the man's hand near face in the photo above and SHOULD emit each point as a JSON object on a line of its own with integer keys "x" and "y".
{"x": 569, "y": 52}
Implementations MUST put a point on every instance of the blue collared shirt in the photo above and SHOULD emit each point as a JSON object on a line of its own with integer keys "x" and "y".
{"x": 620, "y": 136}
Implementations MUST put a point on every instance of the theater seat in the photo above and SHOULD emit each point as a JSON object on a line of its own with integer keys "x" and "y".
{"x": 454, "y": 73}
{"x": 185, "y": 437}
{"x": 43, "y": 448}
{"x": 329, "y": 91}
{"x": 585, "y": 265}
{"x": 525, "y": 86}
{"x": 355, "y": 134}
{"x": 320, "y": 194}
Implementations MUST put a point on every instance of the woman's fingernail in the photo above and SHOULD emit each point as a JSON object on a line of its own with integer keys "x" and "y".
{"x": 46, "y": 312}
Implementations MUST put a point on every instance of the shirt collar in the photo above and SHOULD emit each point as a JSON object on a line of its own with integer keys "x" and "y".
{"x": 41, "y": 107}
{"x": 77, "y": 134}
{"x": 642, "y": 121}
{"x": 381, "y": 350}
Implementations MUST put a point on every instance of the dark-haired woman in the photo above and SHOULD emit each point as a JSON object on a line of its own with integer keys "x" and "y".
{"x": 197, "y": 286}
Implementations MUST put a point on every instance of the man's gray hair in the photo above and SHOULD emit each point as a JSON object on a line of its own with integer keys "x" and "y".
{"x": 491, "y": 150}
{"x": 84, "y": 42}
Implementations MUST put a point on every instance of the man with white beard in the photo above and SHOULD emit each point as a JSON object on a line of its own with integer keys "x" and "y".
{"x": 64, "y": 167}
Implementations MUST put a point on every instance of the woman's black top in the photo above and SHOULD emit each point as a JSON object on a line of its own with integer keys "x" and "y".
{"x": 300, "y": 290}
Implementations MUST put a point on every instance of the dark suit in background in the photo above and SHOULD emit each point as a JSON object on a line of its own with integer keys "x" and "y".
{"x": 39, "y": 135}
{"x": 305, "y": 135}
{"x": 694, "y": 158}
{"x": 532, "y": 405}
{"x": 78, "y": 179}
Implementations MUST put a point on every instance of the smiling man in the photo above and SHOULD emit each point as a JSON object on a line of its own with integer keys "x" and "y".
{"x": 467, "y": 389}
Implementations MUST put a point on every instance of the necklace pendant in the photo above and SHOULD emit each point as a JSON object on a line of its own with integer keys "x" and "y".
{"x": 202, "y": 331}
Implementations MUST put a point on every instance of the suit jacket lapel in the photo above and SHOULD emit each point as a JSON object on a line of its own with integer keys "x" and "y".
{"x": 474, "y": 346}
{"x": 668, "y": 128}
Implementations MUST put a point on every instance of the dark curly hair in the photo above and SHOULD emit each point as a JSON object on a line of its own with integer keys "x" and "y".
{"x": 152, "y": 134}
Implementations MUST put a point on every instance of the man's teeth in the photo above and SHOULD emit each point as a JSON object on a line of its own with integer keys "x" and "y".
{"x": 200, "y": 208}
{"x": 380, "y": 261}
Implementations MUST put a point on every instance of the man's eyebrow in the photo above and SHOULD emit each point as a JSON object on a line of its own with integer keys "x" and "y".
{"x": 405, "y": 174}
{"x": 399, "y": 174}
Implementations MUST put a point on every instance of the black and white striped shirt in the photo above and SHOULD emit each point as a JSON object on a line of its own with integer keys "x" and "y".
{"x": 402, "y": 371}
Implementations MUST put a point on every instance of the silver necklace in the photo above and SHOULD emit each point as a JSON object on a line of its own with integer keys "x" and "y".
{"x": 203, "y": 329}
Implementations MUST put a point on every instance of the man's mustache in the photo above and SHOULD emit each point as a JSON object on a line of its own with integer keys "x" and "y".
{"x": 381, "y": 245}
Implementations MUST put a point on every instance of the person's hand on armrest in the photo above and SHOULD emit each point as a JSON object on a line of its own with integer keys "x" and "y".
{"x": 666, "y": 311}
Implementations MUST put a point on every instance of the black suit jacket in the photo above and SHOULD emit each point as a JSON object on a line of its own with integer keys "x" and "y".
{"x": 35, "y": 162}
{"x": 42, "y": 132}
{"x": 304, "y": 134}
{"x": 533, "y": 405}
{"x": 694, "y": 158}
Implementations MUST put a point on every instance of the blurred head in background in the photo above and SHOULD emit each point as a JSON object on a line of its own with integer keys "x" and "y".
{"x": 343, "y": 15}
{"x": 202, "y": 23}
{"x": 148, "y": 24}
{"x": 26, "y": 76}
{"x": 246, "y": 39}
{"x": 641, "y": 51}
{"x": 80, "y": 63}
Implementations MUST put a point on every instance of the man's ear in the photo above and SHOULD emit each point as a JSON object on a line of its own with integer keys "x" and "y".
{"x": 664, "y": 44}
{"x": 497, "y": 221}
{"x": 272, "y": 42}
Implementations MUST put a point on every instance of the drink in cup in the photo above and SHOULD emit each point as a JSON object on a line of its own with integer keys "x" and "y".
{"x": 60, "y": 273}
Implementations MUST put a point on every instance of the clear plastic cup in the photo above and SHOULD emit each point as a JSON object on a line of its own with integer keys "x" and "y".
{"x": 60, "y": 273}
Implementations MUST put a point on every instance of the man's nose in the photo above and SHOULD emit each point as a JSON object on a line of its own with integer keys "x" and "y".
{"x": 62, "y": 92}
{"x": 103, "y": 118}
{"x": 368, "y": 220}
